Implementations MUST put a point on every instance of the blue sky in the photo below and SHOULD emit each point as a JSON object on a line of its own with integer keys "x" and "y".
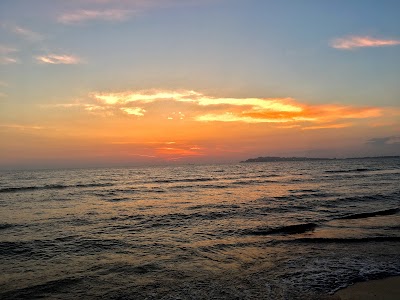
{"x": 344, "y": 53}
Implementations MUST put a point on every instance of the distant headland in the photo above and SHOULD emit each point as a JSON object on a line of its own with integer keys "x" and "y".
{"x": 277, "y": 158}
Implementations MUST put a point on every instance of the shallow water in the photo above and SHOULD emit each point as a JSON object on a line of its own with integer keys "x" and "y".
{"x": 284, "y": 230}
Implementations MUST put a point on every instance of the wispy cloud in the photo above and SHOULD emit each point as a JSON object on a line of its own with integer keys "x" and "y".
{"x": 352, "y": 42}
{"x": 8, "y": 60}
{"x": 328, "y": 126}
{"x": 167, "y": 150}
{"x": 178, "y": 152}
{"x": 389, "y": 140}
{"x": 6, "y": 49}
{"x": 81, "y": 16}
{"x": 272, "y": 104}
{"x": 137, "y": 111}
{"x": 118, "y": 10}
{"x": 26, "y": 33}
{"x": 57, "y": 59}
{"x": 7, "y": 55}
{"x": 186, "y": 105}
{"x": 21, "y": 127}
{"x": 3, "y": 84}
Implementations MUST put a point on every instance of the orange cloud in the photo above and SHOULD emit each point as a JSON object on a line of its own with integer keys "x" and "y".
{"x": 352, "y": 42}
{"x": 57, "y": 59}
{"x": 328, "y": 113}
{"x": 328, "y": 126}
{"x": 163, "y": 150}
{"x": 21, "y": 127}
{"x": 183, "y": 106}
{"x": 175, "y": 151}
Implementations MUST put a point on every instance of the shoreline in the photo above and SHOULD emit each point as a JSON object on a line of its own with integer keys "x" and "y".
{"x": 384, "y": 289}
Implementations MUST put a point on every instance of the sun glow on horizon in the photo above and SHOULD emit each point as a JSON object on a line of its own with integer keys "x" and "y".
{"x": 152, "y": 81}
{"x": 185, "y": 125}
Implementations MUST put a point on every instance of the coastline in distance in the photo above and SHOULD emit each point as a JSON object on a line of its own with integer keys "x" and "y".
{"x": 277, "y": 158}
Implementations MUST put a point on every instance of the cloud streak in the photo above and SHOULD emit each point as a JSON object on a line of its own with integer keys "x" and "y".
{"x": 353, "y": 42}
{"x": 390, "y": 140}
{"x": 21, "y": 127}
{"x": 185, "y": 105}
{"x": 7, "y": 55}
{"x": 117, "y": 10}
{"x": 166, "y": 150}
{"x": 5, "y": 60}
{"x": 56, "y": 59}
{"x": 82, "y": 16}
{"x": 27, "y": 33}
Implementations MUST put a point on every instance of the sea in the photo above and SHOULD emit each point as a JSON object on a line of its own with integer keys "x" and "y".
{"x": 272, "y": 230}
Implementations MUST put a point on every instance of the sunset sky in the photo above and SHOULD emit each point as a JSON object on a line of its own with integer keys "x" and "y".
{"x": 137, "y": 82}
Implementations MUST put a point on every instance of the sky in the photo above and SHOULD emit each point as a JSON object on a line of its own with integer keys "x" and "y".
{"x": 144, "y": 82}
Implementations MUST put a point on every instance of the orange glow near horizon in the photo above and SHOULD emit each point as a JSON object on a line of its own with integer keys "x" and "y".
{"x": 184, "y": 126}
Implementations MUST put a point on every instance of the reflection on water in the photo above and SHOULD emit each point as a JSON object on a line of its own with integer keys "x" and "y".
{"x": 285, "y": 230}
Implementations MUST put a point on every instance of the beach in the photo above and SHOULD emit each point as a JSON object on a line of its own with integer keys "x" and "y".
{"x": 382, "y": 289}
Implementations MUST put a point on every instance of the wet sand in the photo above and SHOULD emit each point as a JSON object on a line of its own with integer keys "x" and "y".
{"x": 384, "y": 289}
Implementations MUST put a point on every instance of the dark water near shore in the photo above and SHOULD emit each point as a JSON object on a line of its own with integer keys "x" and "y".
{"x": 285, "y": 230}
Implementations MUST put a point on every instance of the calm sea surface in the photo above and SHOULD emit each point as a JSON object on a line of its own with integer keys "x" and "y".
{"x": 284, "y": 230}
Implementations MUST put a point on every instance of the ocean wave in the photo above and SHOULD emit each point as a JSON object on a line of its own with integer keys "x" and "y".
{"x": 18, "y": 189}
{"x": 127, "y": 269}
{"x": 215, "y": 206}
{"x": 289, "y": 229}
{"x": 192, "y": 188}
{"x": 301, "y": 196}
{"x": 385, "y": 212}
{"x": 92, "y": 185}
{"x": 391, "y": 196}
{"x": 304, "y": 191}
{"x": 183, "y": 180}
{"x": 38, "y": 291}
{"x": 267, "y": 175}
{"x": 45, "y": 249}
{"x": 180, "y": 219}
{"x": 351, "y": 170}
{"x": 6, "y": 226}
{"x": 51, "y": 187}
{"x": 328, "y": 274}
{"x": 119, "y": 199}
{"x": 348, "y": 240}
{"x": 251, "y": 182}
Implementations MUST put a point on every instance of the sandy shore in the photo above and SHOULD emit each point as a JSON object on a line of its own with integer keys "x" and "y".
{"x": 384, "y": 289}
